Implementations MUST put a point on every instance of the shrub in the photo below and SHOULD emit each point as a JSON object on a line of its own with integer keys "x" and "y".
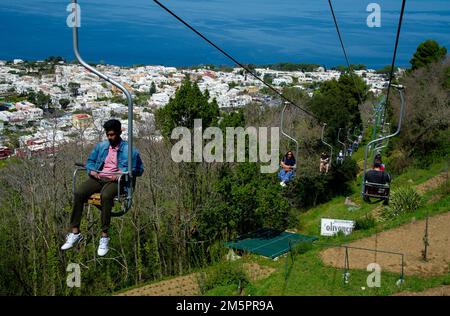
{"x": 444, "y": 188}
{"x": 311, "y": 188}
{"x": 302, "y": 247}
{"x": 366, "y": 222}
{"x": 222, "y": 275}
{"x": 398, "y": 161}
{"x": 402, "y": 200}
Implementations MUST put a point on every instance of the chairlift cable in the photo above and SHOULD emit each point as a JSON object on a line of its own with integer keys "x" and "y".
{"x": 395, "y": 50}
{"x": 344, "y": 50}
{"x": 235, "y": 60}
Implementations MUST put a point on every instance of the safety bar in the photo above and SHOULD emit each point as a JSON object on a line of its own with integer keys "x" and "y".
{"x": 402, "y": 108}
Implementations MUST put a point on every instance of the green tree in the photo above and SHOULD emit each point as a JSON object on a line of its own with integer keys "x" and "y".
{"x": 188, "y": 104}
{"x": 268, "y": 78}
{"x": 427, "y": 53}
{"x": 73, "y": 87}
{"x": 54, "y": 59}
{"x": 152, "y": 89}
{"x": 337, "y": 103}
{"x": 243, "y": 200}
{"x": 64, "y": 103}
{"x": 42, "y": 100}
{"x": 232, "y": 119}
{"x": 386, "y": 70}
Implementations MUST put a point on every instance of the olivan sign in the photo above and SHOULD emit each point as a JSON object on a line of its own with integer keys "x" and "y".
{"x": 330, "y": 227}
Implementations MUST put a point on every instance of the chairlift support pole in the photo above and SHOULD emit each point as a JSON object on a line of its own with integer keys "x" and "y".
{"x": 116, "y": 84}
{"x": 285, "y": 134}
{"x": 325, "y": 143}
{"x": 348, "y": 136}
{"x": 339, "y": 141}
{"x": 402, "y": 107}
{"x": 378, "y": 110}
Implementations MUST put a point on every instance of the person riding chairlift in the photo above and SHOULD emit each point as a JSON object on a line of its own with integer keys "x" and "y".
{"x": 106, "y": 159}
{"x": 379, "y": 160}
{"x": 355, "y": 145}
{"x": 350, "y": 150}
{"x": 360, "y": 137}
{"x": 324, "y": 163}
{"x": 340, "y": 158}
{"x": 287, "y": 171}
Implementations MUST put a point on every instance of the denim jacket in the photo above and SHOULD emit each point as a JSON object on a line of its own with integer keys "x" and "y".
{"x": 96, "y": 159}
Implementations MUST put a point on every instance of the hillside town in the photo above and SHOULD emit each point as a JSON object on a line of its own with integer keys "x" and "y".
{"x": 41, "y": 110}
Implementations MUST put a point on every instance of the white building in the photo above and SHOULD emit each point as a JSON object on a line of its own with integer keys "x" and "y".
{"x": 159, "y": 99}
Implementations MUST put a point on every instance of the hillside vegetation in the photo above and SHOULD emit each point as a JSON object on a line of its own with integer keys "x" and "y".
{"x": 183, "y": 212}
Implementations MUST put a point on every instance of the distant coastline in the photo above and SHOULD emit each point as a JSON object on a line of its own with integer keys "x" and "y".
{"x": 281, "y": 66}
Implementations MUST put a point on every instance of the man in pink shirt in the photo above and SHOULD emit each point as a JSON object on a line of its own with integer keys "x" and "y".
{"x": 104, "y": 180}
{"x": 110, "y": 165}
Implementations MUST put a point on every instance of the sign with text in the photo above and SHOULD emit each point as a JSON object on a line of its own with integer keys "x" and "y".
{"x": 330, "y": 227}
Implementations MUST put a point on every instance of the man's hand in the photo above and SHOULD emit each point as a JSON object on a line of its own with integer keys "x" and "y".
{"x": 94, "y": 174}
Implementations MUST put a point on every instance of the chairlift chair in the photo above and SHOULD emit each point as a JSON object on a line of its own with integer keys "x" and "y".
{"x": 95, "y": 199}
{"x": 125, "y": 197}
{"x": 377, "y": 191}
{"x": 343, "y": 144}
{"x": 284, "y": 133}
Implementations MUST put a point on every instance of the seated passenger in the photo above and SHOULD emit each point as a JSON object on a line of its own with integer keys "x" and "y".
{"x": 378, "y": 159}
{"x": 324, "y": 163}
{"x": 288, "y": 165}
{"x": 376, "y": 175}
{"x": 349, "y": 150}
{"x": 340, "y": 158}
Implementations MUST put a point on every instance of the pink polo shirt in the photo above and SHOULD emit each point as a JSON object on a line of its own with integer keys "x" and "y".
{"x": 110, "y": 163}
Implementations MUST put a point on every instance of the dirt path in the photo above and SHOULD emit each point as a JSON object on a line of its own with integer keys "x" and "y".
{"x": 405, "y": 239}
{"x": 436, "y": 291}
{"x": 432, "y": 183}
{"x": 188, "y": 285}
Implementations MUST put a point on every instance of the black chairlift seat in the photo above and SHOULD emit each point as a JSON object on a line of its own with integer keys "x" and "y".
{"x": 377, "y": 191}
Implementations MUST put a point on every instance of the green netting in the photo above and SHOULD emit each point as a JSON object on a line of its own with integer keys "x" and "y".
{"x": 268, "y": 242}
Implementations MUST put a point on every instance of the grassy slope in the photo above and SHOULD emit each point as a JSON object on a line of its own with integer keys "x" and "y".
{"x": 306, "y": 274}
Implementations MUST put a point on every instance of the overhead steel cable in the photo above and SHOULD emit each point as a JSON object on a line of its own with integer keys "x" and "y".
{"x": 236, "y": 61}
{"x": 399, "y": 28}
{"x": 344, "y": 50}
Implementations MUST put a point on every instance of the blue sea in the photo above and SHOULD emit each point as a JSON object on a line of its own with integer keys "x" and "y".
{"x": 253, "y": 31}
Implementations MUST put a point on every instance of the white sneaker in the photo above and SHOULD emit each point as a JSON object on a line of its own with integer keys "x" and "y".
{"x": 282, "y": 184}
{"x": 103, "y": 246}
{"x": 71, "y": 240}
